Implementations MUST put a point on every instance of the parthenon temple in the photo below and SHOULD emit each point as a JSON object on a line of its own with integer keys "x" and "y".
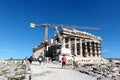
{"x": 79, "y": 43}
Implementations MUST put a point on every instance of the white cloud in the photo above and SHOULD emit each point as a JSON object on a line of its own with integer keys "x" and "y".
{"x": 105, "y": 50}
{"x": 7, "y": 50}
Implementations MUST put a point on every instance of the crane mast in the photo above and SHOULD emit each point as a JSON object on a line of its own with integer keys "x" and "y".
{"x": 60, "y": 38}
{"x": 46, "y": 34}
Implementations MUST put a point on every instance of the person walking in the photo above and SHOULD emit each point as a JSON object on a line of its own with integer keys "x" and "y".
{"x": 39, "y": 59}
{"x": 73, "y": 62}
{"x": 64, "y": 59}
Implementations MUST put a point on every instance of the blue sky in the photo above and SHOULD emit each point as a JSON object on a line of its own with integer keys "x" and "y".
{"x": 17, "y": 38}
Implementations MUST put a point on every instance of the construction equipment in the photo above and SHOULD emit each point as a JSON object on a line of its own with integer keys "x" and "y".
{"x": 60, "y": 38}
{"x": 46, "y": 34}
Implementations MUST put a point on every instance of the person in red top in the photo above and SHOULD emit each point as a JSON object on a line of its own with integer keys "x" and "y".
{"x": 64, "y": 61}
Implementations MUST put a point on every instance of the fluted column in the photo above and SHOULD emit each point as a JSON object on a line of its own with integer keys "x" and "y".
{"x": 95, "y": 50}
{"x": 75, "y": 47}
{"x": 81, "y": 53}
{"x": 91, "y": 52}
{"x": 99, "y": 49}
{"x": 86, "y": 50}
{"x": 69, "y": 44}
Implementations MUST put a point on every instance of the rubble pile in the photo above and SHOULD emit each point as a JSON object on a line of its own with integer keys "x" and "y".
{"x": 109, "y": 71}
{"x": 12, "y": 70}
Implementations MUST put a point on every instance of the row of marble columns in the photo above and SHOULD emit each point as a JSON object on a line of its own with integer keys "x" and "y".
{"x": 94, "y": 47}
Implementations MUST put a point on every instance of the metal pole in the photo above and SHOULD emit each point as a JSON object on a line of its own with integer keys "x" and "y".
{"x": 46, "y": 34}
{"x": 46, "y": 40}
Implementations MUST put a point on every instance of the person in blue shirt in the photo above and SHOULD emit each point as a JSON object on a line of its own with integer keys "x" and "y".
{"x": 44, "y": 59}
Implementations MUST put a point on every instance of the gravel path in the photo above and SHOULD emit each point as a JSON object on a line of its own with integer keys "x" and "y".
{"x": 52, "y": 71}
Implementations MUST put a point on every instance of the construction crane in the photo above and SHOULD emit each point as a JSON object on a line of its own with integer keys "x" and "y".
{"x": 60, "y": 38}
{"x": 46, "y": 26}
{"x": 46, "y": 34}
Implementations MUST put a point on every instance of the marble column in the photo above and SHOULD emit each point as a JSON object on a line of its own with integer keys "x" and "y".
{"x": 69, "y": 43}
{"x": 95, "y": 49}
{"x": 91, "y": 52}
{"x": 81, "y": 53}
{"x": 75, "y": 47}
{"x": 86, "y": 50}
{"x": 99, "y": 50}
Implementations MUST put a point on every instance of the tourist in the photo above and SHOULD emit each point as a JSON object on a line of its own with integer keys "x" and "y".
{"x": 63, "y": 61}
{"x": 73, "y": 62}
{"x": 30, "y": 77}
{"x": 30, "y": 59}
{"x": 44, "y": 59}
{"x": 39, "y": 59}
